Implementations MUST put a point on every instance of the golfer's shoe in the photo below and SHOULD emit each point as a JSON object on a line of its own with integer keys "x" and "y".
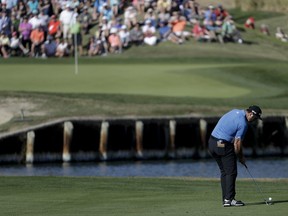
{"x": 233, "y": 202}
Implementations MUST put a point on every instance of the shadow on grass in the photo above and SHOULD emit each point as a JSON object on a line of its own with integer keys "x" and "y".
{"x": 263, "y": 203}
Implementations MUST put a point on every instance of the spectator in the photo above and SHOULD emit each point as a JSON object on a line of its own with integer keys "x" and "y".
{"x": 35, "y": 21}
{"x": 16, "y": 46}
{"x": 264, "y": 29}
{"x": 49, "y": 48}
{"x": 66, "y": 19}
{"x": 166, "y": 33}
{"x": 37, "y": 39}
{"x": 199, "y": 32}
{"x": 230, "y": 32}
{"x": 62, "y": 48}
{"x": 85, "y": 20}
{"x": 149, "y": 32}
{"x": 5, "y": 23}
{"x": 54, "y": 27}
{"x": 4, "y": 44}
{"x": 114, "y": 40}
{"x": 115, "y": 7}
{"x": 136, "y": 35}
{"x": 22, "y": 9}
{"x": 221, "y": 13}
{"x": 280, "y": 34}
{"x": 33, "y": 5}
{"x": 106, "y": 11}
{"x": 178, "y": 27}
{"x": 46, "y": 7}
{"x": 139, "y": 5}
{"x": 76, "y": 36}
{"x": 25, "y": 29}
{"x": 250, "y": 23}
{"x": 124, "y": 36}
{"x": 150, "y": 15}
{"x": 163, "y": 5}
{"x": 130, "y": 17}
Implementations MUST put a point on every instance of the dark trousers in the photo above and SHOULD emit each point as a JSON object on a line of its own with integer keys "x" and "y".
{"x": 226, "y": 159}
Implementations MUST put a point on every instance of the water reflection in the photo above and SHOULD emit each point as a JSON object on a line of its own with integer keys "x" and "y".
{"x": 272, "y": 168}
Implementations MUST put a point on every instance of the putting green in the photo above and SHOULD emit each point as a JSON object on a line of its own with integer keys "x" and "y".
{"x": 175, "y": 80}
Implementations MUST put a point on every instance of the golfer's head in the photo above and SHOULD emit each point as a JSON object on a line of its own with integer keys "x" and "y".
{"x": 254, "y": 112}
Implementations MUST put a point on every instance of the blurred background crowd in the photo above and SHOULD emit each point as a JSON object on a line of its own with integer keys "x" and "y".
{"x": 57, "y": 28}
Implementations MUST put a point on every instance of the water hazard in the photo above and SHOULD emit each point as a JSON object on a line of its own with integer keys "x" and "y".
{"x": 260, "y": 168}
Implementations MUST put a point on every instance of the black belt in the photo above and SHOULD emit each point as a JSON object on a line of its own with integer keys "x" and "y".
{"x": 224, "y": 141}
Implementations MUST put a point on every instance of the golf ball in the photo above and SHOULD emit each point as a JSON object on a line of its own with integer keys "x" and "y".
{"x": 270, "y": 199}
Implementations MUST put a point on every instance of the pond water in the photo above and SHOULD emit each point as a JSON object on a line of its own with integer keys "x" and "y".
{"x": 260, "y": 168}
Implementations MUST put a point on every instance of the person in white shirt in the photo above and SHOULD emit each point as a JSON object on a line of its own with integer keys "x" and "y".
{"x": 149, "y": 32}
{"x": 35, "y": 21}
{"x": 66, "y": 19}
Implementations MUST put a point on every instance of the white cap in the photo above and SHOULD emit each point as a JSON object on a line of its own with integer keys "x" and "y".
{"x": 148, "y": 21}
{"x": 113, "y": 30}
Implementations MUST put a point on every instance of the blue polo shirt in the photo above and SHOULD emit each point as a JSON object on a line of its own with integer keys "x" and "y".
{"x": 231, "y": 125}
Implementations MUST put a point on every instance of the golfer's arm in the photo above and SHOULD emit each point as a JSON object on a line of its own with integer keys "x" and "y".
{"x": 238, "y": 147}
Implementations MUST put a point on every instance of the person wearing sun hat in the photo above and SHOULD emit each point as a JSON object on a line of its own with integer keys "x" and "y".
{"x": 225, "y": 146}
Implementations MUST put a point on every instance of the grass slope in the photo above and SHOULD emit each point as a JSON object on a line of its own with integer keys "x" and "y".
{"x": 63, "y": 196}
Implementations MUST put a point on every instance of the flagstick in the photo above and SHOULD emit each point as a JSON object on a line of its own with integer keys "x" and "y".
{"x": 76, "y": 54}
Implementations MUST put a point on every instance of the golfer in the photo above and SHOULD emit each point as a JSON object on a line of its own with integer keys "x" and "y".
{"x": 225, "y": 145}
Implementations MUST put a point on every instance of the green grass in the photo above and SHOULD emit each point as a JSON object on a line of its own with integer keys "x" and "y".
{"x": 191, "y": 79}
{"x": 63, "y": 196}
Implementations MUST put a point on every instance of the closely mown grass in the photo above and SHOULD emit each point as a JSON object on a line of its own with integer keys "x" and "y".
{"x": 86, "y": 196}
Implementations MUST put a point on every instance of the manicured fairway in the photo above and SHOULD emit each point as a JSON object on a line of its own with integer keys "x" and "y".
{"x": 68, "y": 196}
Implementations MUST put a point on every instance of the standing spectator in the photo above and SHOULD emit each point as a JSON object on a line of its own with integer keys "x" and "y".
{"x": 149, "y": 32}
{"x": 46, "y": 7}
{"x": 25, "y": 29}
{"x": 4, "y": 44}
{"x": 85, "y": 20}
{"x": 115, "y": 7}
{"x": 54, "y": 27}
{"x": 139, "y": 5}
{"x": 76, "y": 36}
{"x": 37, "y": 39}
{"x": 66, "y": 19}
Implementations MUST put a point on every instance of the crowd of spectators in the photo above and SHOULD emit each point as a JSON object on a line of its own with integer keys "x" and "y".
{"x": 55, "y": 28}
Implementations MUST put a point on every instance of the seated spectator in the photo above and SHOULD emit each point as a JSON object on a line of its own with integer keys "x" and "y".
{"x": 114, "y": 40}
{"x": 264, "y": 29}
{"x": 280, "y": 34}
{"x": 49, "y": 48}
{"x": 221, "y": 13}
{"x": 230, "y": 32}
{"x": 33, "y": 5}
{"x": 199, "y": 32}
{"x": 166, "y": 33}
{"x": 16, "y": 45}
{"x": 37, "y": 39}
{"x": 4, "y": 44}
{"x": 178, "y": 28}
{"x": 149, "y": 33}
{"x": 124, "y": 36}
{"x": 136, "y": 35}
{"x": 62, "y": 48}
{"x": 150, "y": 15}
{"x": 25, "y": 29}
{"x": 250, "y": 23}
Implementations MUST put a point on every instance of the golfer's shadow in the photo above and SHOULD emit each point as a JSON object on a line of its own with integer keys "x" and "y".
{"x": 263, "y": 203}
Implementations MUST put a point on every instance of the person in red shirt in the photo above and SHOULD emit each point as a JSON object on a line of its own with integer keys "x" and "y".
{"x": 54, "y": 27}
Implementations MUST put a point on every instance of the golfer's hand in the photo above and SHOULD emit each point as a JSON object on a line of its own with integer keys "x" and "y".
{"x": 242, "y": 160}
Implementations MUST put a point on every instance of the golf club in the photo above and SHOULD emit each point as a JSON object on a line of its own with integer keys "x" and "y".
{"x": 257, "y": 186}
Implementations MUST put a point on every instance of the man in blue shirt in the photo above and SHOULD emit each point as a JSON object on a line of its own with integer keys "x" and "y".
{"x": 225, "y": 145}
